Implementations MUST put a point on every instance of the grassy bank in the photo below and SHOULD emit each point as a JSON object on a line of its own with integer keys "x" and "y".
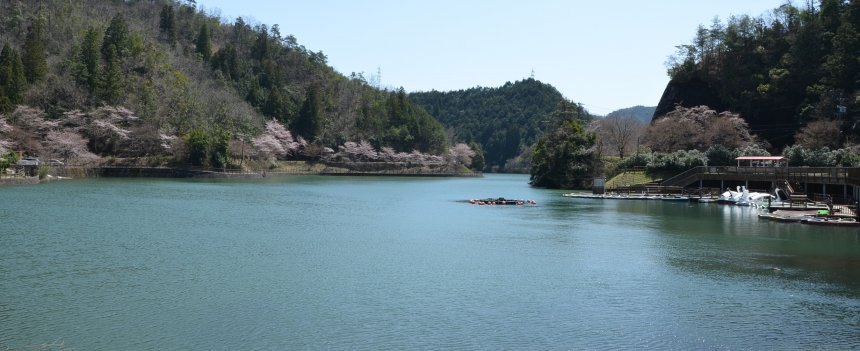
{"x": 629, "y": 179}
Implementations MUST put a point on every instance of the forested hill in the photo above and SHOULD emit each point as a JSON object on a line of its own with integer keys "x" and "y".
{"x": 502, "y": 120}
{"x": 176, "y": 72}
{"x": 641, "y": 113}
{"x": 779, "y": 71}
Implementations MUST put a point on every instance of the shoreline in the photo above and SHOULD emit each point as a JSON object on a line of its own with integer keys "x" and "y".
{"x": 294, "y": 168}
{"x": 170, "y": 172}
{"x": 12, "y": 180}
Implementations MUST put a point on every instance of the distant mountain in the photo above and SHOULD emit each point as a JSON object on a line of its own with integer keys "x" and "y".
{"x": 502, "y": 120}
{"x": 641, "y": 113}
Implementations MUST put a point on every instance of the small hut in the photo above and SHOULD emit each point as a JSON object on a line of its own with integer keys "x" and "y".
{"x": 29, "y": 165}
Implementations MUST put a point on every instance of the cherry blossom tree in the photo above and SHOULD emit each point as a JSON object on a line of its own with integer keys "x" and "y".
{"x": 109, "y": 130}
{"x": 5, "y": 128}
{"x": 364, "y": 151}
{"x": 269, "y": 147}
{"x": 388, "y": 154}
{"x": 361, "y": 151}
{"x": 31, "y": 120}
{"x": 5, "y": 145}
{"x": 276, "y": 142}
{"x": 167, "y": 141}
{"x": 698, "y": 128}
{"x": 345, "y": 152}
{"x": 462, "y": 154}
{"x": 69, "y": 146}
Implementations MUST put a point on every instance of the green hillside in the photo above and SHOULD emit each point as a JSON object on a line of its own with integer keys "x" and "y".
{"x": 779, "y": 71}
{"x": 181, "y": 80}
{"x": 504, "y": 121}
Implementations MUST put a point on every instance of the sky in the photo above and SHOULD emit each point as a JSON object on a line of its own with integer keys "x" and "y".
{"x": 606, "y": 55}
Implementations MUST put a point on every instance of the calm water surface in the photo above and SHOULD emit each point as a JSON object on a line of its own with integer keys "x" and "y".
{"x": 387, "y": 263}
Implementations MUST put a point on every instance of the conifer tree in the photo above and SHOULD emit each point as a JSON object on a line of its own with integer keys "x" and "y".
{"x": 5, "y": 77}
{"x": 111, "y": 87}
{"x": 88, "y": 60}
{"x": 829, "y": 15}
{"x": 12, "y": 79}
{"x": 261, "y": 50}
{"x": 204, "y": 45}
{"x": 309, "y": 122}
{"x": 226, "y": 60}
{"x": 277, "y": 105}
{"x": 35, "y": 64}
{"x": 116, "y": 35}
{"x": 167, "y": 24}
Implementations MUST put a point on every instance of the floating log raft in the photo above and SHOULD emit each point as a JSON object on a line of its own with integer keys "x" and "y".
{"x": 502, "y": 201}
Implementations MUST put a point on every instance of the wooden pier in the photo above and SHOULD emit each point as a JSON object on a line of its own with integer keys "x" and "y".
{"x": 842, "y": 184}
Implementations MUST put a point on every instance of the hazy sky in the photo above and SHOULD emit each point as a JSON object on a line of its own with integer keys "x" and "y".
{"x": 604, "y": 54}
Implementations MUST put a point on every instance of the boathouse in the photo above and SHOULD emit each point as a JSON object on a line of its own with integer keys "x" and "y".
{"x": 841, "y": 184}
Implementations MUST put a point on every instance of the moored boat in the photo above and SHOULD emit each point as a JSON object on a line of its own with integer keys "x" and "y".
{"x": 832, "y": 221}
{"x": 784, "y": 218}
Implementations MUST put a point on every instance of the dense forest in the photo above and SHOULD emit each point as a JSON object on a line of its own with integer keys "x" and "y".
{"x": 162, "y": 78}
{"x": 780, "y": 72}
{"x": 505, "y": 121}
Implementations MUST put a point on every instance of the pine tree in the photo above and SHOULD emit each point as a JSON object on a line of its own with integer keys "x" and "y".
{"x": 116, "y": 35}
{"x": 35, "y": 64}
{"x": 261, "y": 50}
{"x": 226, "y": 60}
{"x": 309, "y": 122}
{"x": 204, "y": 45}
{"x": 5, "y": 77}
{"x": 111, "y": 87}
{"x": 88, "y": 61}
{"x": 19, "y": 81}
{"x": 167, "y": 24}
{"x": 13, "y": 82}
{"x": 829, "y": 15}
{"x": 277, "y": 105}
{"x": 5, "y": 69}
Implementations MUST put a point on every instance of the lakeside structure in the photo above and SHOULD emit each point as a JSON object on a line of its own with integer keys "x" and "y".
{"x": 770, "y": 174}
{"x": 841, "y": 184}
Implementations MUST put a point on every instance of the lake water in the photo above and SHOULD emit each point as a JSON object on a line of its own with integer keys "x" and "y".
{"x": 403, "y": 263}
